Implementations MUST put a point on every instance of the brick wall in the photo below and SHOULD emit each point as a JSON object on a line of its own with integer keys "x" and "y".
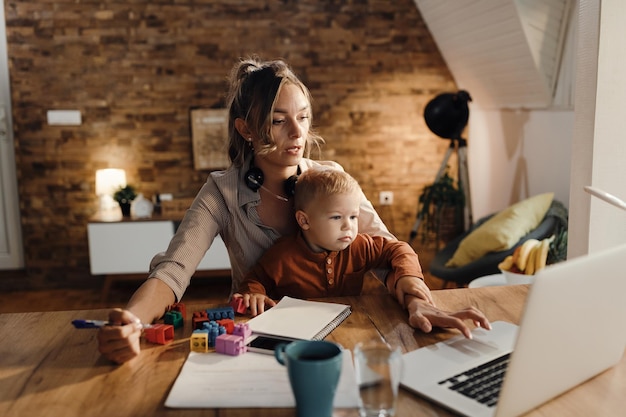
{"x": 134, "y": 69}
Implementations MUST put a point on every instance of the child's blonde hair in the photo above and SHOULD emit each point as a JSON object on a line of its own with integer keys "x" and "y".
{"x": 323, "y": 182}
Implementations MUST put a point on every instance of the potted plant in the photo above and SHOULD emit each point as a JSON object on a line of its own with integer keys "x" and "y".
{"x": 124, "y": 196}
{"x": 440, "y": 206}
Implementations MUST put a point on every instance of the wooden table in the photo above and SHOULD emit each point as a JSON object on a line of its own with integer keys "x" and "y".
{"x": 50, "y": 369}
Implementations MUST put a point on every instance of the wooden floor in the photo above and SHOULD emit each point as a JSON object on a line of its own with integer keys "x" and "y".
{"x": 205, "y": 289}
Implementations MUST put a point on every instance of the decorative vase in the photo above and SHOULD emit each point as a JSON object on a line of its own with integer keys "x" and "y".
{"x": 125, "y": 209}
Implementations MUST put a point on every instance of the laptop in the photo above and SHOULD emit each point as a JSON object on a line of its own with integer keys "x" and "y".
{"x": 571, "y": 330}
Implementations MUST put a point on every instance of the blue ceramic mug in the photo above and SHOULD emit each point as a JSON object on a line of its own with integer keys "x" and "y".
{"x": 314, "y": 367}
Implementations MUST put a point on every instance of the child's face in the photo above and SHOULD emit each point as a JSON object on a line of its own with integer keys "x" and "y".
{"x": 331, "y": 223}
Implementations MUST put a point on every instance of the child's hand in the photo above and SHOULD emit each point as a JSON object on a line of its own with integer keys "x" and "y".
{"x": 410, "y": 285}
{"x": 256, "y": 302}
{"x": 120, "y": 343}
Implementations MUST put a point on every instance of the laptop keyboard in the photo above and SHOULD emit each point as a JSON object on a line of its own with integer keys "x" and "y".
{"x": 481, "y": 383}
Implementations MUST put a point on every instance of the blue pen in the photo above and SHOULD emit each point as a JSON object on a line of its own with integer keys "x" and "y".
{"x": 96, "y": 324}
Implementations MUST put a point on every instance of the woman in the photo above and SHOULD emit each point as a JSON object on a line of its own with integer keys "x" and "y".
{"x": 249, "y": 205}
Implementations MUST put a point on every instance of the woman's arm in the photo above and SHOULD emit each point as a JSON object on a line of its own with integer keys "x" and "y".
{"x": 121, "y": 342}
{"x": 151, "y": 300}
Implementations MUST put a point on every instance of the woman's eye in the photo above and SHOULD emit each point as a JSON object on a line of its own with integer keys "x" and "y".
{"x": 278, "y": 121}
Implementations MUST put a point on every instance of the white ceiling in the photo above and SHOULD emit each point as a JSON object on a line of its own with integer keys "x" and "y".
{"x": 505, "y": 53}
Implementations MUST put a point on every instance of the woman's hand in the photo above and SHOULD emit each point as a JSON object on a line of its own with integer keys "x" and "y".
{"x": 255, "y": 302}
{"x": 424, "y": 316}
{"x": 120, "y": 341}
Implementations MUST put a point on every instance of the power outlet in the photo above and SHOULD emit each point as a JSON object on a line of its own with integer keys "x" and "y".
{"x": 386, "y": 198}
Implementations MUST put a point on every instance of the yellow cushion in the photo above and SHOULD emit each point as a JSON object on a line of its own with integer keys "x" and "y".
{"x": 503, "y": 230}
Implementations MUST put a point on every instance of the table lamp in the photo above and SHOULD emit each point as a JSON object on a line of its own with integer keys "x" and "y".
{"x": 108, "y": 181}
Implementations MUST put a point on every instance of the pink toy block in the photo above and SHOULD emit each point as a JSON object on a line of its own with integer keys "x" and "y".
{"x": 228, "y": 324}
{"x": 238, "y": 305}
{"x": 161, "y": 334}
{"x": 229, "y": 344}
{"x": 243, "y": 330}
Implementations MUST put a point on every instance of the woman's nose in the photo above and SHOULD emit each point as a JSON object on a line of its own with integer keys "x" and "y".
{"x": 295, "y": 130}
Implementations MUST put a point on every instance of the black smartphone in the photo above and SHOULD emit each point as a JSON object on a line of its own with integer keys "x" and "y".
{"x": 266, "y": 344}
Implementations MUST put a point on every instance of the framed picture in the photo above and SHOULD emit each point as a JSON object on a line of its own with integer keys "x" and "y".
{"x": 209, "y": 135}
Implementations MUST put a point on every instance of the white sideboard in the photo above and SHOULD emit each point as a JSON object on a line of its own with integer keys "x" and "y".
{"x": 119, "y": 249}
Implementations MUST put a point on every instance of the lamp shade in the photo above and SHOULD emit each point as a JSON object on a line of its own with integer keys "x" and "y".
{"x": 109, "y": 180}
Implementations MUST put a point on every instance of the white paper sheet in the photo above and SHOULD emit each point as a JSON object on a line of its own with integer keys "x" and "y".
{"x": 213, "y": 380}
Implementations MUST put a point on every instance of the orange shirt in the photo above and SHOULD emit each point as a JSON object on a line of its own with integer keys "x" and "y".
{"x": 291, "y": 268}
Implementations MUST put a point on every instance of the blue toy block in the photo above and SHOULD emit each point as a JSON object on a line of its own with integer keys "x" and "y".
{"x": 220, "y": 313}
{"x": 214, "y": 330}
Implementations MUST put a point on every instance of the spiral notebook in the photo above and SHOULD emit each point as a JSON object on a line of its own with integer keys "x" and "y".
{"x": 293, "y": 318}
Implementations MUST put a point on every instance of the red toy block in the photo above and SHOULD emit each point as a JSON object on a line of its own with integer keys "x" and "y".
{"x": 238, "y": 305}
{"x": 229, "y": 324}
{"x": 229, "y": 344}
{"x": 179, "y": 307}
{"x": 199, "y": 318}
{"x": 161, "y": 334}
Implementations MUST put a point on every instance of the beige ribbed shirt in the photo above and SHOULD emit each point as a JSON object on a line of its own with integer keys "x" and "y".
{"x": 226, "y": 206}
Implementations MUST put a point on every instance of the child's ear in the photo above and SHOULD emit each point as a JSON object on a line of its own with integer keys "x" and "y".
{"x": 302, "y": 219}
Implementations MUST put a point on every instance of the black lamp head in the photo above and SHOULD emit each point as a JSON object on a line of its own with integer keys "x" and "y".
{"x": 447, "y": 114}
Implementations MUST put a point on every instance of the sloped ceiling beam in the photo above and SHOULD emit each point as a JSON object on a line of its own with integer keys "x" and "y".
{"x": 505, "y": 53}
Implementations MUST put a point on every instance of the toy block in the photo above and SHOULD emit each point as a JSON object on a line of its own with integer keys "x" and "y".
{"x": 238, "y": 305}
{"x": 161, "y": 334}
{"x": 199, "y": 318}
{"x": 243, "y": 330}
{"x": 229, "y": 344}
{"x": 214, "y": 330}
{"x": 221, "y": 313}
{"x": 179, "y": 307}
{"x": 199, "y": 341}
{"x": 175, "y": 318}
{"x": 229, "y": 324}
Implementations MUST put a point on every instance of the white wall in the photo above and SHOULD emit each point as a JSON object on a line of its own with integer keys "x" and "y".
{"x": 599, "y": 145}
{"x": 11, "y": 253}
{"x": 515, "y": 154}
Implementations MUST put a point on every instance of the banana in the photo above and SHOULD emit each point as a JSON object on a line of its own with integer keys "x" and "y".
{"x": 506, "y": 264}
{"x": 526, "y": 249}
{"x": 515, "y": 255}
{"x": 530, "y": 262}
{"x": 542, "y": 257}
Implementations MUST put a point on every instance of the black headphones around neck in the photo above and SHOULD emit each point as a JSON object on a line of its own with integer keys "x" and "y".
{"x": 254, "y": 180}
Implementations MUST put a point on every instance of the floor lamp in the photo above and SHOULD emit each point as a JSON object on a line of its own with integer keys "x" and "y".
{"x": 446, "y": 115}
